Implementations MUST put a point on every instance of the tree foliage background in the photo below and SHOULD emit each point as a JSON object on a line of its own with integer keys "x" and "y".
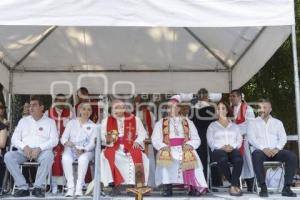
{"x": 276, "y": 81}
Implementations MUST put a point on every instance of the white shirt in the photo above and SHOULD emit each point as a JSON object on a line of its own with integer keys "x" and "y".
{"x": 202, "y": 104}
{"x": 175, "y": 131}
{"x": 81, "y": 135}
{"x": 140, "y": 130}
{"x": 218, "y": 135}
{"x": 270, "y": 134}
{"x": 41, "y": 133}
{"x": 249, "y": 115}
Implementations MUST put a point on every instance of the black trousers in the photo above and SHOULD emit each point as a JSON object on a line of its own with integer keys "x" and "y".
{"x": 287, "y": 157}
{"x": 235, "y": 158}
{"x": 216, "y": 176}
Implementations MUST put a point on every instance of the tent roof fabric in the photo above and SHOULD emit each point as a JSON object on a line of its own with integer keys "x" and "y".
{"x": 210, "y": 44}
{"x": 166, "y": 13}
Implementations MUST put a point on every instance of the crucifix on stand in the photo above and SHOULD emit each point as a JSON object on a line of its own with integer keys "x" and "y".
{"x": 139, "y": 189}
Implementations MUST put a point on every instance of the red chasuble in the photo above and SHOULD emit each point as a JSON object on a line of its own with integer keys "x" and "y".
{"x": 241, "y": 117}
{"x": 127, "y": 140}
{"x": 57, "y": 169}
{"x": 147, "y": 121}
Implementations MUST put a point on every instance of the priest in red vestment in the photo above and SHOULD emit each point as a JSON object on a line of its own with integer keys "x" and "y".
{"x": 61, "y": 113}
{"x": 123, "y": 160}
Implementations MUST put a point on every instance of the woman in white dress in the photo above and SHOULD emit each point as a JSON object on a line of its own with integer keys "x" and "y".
{"x": 79, "y": 140}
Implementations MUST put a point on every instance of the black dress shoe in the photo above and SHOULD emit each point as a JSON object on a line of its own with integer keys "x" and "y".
{"x": 167, "y": 190}
{"x": 250, "y": 190}
{"x": 22, "y": 193}
{"x": 263, "y": 191}
{"x": 194, "y": 193}
{"x": 287, "y": 192}
{"x": 115, "y": 191}
{"x": 249, "y": 183}
{"x": 38, "y": 192}
{"x": 167, "y": 193}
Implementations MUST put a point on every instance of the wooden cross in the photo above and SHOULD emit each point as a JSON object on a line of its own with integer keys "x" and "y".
{"x": 139, "y": 191}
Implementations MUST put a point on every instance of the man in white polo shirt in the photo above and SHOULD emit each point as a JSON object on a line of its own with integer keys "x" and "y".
{"x": 35, "y": 136}
{"x": 268, "y": 137}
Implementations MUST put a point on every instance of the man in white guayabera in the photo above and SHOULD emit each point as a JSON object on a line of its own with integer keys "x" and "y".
{"x": 35, "y": 136}
{"x": 268, "y": 137}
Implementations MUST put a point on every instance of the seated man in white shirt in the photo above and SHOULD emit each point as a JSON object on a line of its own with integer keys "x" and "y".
{"x": 35, "y": 136}
{"x": 268, "y": 137}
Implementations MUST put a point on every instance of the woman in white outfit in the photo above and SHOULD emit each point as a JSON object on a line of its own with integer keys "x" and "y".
{"x": 79, "y": 141}
{"x": 224, "y": 139}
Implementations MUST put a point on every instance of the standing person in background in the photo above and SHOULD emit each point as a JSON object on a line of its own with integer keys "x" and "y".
{"x": 204, "y": 113}
{"x": 3, "y": 117}
{"x": 26, "y": 108}
{"x": 143, "y": 112}
{"x": 61, "y": 114}
{"x": 25, "y": 112}
{"x": 83, "y": 96}
{"x": 243, "y": 113}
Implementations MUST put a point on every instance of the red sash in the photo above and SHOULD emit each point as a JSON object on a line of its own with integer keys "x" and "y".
{"x": 127, "y": 140}
{"x": 241, "y": 117}
{"x": 57, "y": 169}
{"x": 95, "y": 111}
{"x": 147, "y": 121}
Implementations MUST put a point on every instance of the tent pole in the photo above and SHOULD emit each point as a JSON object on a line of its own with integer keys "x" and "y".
{"x": 10, "y": 99}
{"x": 6, "y": 96}
{"x": 230, "y": 80}
{"x": 97, "y": 179}
{"x": 206, "y": 47}
{"x": 44, "y": 36}
{"x": 296, "y": 82}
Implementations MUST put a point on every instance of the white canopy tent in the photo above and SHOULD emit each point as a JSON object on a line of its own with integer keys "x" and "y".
{"x": 156, "y": 60}
{"x": 217, "y": 44}
{"x": 160, "y": 46}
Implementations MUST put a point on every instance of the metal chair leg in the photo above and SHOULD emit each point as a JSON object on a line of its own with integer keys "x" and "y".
{"x": 281, "y": 178}
{"x": 241, "y": 183}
